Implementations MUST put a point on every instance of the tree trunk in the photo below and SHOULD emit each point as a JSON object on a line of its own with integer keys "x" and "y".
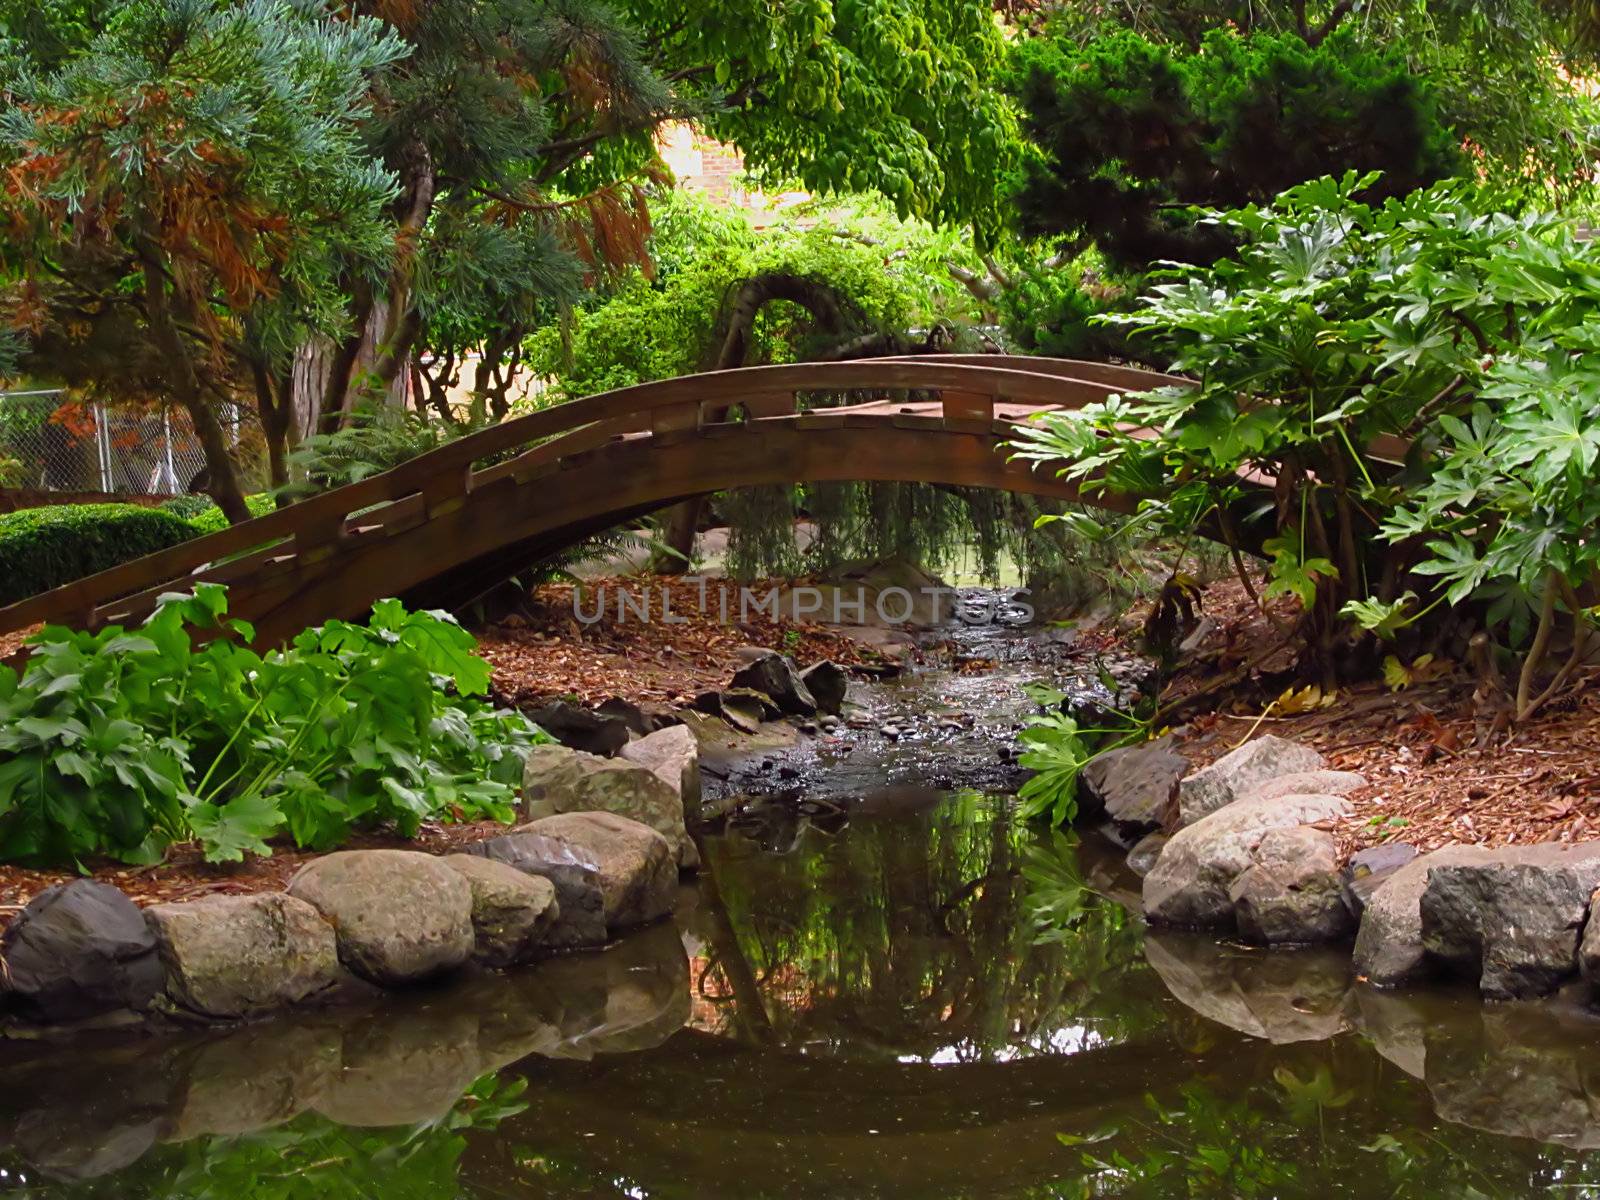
{"x": 222, "y": 477}
{"x": 319, "y": 362}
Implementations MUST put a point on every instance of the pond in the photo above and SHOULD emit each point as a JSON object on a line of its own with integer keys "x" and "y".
{"x": 918, "y": 997}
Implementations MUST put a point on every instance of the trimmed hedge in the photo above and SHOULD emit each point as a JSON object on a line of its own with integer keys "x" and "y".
{"x": 43, "y": 548}
{"x": 211, "y": 520}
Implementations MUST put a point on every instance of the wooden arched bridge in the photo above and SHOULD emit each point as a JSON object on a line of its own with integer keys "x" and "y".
{"x": 441, "y": 528}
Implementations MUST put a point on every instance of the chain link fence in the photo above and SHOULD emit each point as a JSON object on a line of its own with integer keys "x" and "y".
{"x": 53, "y": 442}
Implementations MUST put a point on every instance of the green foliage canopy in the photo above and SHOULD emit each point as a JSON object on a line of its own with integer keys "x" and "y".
{"x": 1132, "y": 133}
{"x": 888, "y": 275}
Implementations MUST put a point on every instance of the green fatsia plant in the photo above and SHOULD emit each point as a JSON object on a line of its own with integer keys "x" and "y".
{"x": 1399, "y": 396}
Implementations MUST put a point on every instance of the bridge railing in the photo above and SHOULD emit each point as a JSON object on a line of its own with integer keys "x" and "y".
{"x": 439, "y": 481}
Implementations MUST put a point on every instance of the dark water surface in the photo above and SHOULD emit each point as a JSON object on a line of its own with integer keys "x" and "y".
{"x": 911, "y": 997}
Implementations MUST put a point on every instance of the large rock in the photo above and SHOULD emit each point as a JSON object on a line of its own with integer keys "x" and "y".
{"x": 637, "y": 870}
{"x": 232, "y": 956}
{"x": 641, "y": 719}
{"x": 744, "y": 710}
{"x": 79, "y": 950}
{"x": 1292, "y": 996}
{"x": 827, "y": 683}
{"x": 400, "y": 916}
{"x": 771, "y": 674}
{"x": 1233, "y": 776}
{"x": 572, "y": 871}
{"x": 582, "y": 728}
{"x": 1292, "y": 893}
{"x": 512, "y": 912}
{"x": 1307, "y": 783}
{"x": 1388, "y": 949}
{"x": 1189, "y": 883}
{"x": 559, "y": 780}
{"x": 673, "y": 756}
{"x": 1511, "y": 918}
{"x": 1133, "y": 786}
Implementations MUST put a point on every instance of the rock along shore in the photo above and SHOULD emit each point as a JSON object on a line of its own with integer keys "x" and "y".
{"x": 1252, "y": 856}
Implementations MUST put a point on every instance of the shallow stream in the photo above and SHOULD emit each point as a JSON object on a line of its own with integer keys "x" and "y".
{"x": 891, "y": 990}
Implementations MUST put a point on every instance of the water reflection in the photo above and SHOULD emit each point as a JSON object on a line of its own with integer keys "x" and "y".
{"x": 914, "y": 999}
{"x": 918, "y": 933}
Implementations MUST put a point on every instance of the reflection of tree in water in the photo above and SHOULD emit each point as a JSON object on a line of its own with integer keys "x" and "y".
{"x": 916, "y": 937}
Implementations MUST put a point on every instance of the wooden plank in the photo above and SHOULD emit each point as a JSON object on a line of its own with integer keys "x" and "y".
{"x": 967, "y": 406}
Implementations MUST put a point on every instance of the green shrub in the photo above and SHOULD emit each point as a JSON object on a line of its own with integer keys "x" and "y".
{"x": 1339, "y": 328}
{"x": 43, "y": 548}
{"x": 211, "y": 519}
{"x": 122, "y": 742}
{"x": 188, "y": 507}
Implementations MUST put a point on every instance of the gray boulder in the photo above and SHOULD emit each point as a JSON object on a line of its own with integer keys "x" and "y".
{"x": 558, "y": 780}
{"x": 1233, "y": 776}
{"x": 1133, "y": 786}
{"x": 233, "y": 956}
{"x": 1145, "y": 852}
{"x": 1511, "y": 918}
{"x": 570, "y": 870}
{"x": 400, "y": 916}
{"x": 1292, "y": 893}
{"x": 673, "y": 756}
{"x": 1189, "y": 883}
{"x": 641, "y": 719}
{"x": 827, "y": 683}
{"x": 774, "y": 675}
{"x": 638, "y": 873}
{"x": 743, "y": 709}
{"x": 512, "y": 912}
{"x": 1307, "y": 783}
{"x": 1388, "y": 949}
{"x": 79, "y": 950}
{"x": 582, "y": 728}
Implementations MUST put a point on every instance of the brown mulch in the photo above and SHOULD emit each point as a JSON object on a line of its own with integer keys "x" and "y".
{"x": 546, "y": 651}
{"x": 11, "y": 644}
